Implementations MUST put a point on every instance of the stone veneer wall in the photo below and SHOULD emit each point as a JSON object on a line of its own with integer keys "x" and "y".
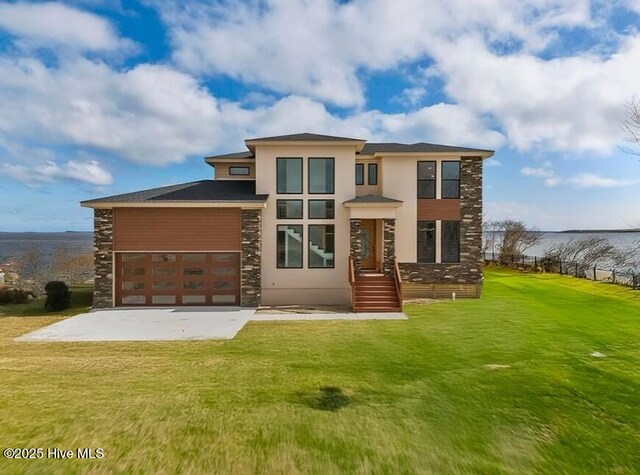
{"x": 469, "y": 269}
{"x": 251, "y": 223}
{"x": 103, "y": 258}
{"x": 355, "y": 238}
{"x": 389, "y": 251}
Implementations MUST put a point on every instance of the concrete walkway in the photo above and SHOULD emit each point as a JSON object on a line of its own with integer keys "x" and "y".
{"x": 168, "y": 324}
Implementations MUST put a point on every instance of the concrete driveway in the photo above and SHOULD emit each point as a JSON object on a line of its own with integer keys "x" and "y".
{"x": 149, "y": 324}
{"x": 168, "y": 324}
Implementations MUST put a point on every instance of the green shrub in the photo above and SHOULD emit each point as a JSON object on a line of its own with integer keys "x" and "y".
{"x": 8, "y": 296}
{"x": 58, "y": 296}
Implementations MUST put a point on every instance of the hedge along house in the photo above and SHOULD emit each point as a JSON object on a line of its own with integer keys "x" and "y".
{"x": 299, "y": 219}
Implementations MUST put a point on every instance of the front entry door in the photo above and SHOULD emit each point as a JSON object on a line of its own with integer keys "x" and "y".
{"x": 369, "y": 244}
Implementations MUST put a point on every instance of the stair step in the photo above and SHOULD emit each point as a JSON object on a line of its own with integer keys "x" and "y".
{"x": 378, "y": 309}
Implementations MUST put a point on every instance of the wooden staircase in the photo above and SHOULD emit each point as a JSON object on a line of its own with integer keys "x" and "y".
{"x": 373, "y": 292}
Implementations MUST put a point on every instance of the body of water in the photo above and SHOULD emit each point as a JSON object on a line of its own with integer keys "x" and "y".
{"x": 15, "y": 245}
{"x": 619, "y": 240}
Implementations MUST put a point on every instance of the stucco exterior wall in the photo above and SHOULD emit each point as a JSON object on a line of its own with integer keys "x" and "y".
{"x": 367, "y": 189}
{"x": 222, "y": 170}
{"x": 305, "y": 285}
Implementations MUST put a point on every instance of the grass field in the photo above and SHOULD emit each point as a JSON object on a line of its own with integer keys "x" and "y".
{"x": 503, "y": 384}
{"x": 81, "y": 300}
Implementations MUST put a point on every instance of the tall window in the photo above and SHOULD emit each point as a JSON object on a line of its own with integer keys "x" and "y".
{"x": 321, "y": 209}
{"x": 426, "y": 241}
{"x": 426, "y": 179}
{"x": 359, "y": 173}
{"x": 321, "y": 175}
{"x": 321, "y": 245}
{"x": 450, "y": 241}
{"x": 289, "y": 171}
{"x": 289, "y": 209}
{"x": 451, "y": 179}
{"x": 373, "y": 173}
{"x": 289, "y": 246}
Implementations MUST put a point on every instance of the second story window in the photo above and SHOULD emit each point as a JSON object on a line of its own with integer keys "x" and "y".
{"x": 239, "y": 171}
{"x": 427, "y": 179}
{"x": 373, "y": 173}
{"x": 321, "y": 175}
{"x": 359, "y": 173}
{"x": 451, "y": 179}
{"x": 289, "y": 175}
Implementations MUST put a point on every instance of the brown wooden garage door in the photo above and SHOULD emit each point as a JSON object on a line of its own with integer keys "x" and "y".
{"x": 193, "y": 278}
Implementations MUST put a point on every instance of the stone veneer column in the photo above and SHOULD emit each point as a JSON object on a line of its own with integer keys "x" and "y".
{"x": 389, "y": 252}
{"x": 355, "y": 239}
{"x": 251, "y": 224}
{"x": 471, "y": 212}
{"x": 103, "y": 258}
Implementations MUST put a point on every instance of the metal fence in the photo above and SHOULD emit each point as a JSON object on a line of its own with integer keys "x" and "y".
{"x": 626, "y": 277}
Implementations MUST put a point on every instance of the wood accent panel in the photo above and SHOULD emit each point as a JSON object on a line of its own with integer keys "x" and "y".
{"x": 176, "y": 229}
{"x": 445, "y": 210}
{"x": 412, "y": 290}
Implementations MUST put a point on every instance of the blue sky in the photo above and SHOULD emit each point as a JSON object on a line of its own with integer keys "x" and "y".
{"x": 100, "y": 97}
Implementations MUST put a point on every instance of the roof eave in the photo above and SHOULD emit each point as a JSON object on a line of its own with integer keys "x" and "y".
{"x": 251, "y": 144}
{"x": 245, "y": 204}
{"x": 484, "y": 154}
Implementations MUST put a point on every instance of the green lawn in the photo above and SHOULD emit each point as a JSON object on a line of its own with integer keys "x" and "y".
{"x": 81, "y": 300}
{"x": 421, "y": 397}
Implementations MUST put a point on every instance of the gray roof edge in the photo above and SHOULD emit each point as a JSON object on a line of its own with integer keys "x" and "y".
{"x": 158, "y": 191}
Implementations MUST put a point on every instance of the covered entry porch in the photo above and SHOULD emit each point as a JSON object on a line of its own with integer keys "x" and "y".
{"x": 373, "y": 273}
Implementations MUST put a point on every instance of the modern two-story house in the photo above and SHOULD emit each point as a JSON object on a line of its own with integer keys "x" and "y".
{"x": 299, "y": 219}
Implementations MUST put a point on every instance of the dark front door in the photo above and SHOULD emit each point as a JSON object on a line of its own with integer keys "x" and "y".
{"x": 369, "y": 244}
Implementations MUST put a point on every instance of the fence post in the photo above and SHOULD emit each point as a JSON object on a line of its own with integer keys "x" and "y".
{"x": 535, "y": 263}
{"x": 560, "y": 266}
{"x": 576, "y": 271}
{"x": 522, "y": 260}
{"x": 613, "y": 276}
{"x": 595, "y": 273}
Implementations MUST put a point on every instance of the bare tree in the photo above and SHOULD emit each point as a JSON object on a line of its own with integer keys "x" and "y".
{"x": 513, "y": 238}
{"x": 72, "y": 269}
{"x": 628, "y": 258}
{"x": 34, "y": 270}
{"x": 587, "y": 251}
{"x": 632, "y": 125}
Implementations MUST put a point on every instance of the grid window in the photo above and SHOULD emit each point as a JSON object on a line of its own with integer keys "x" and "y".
{"x": 372, "y": 169}
{"x": 321, "y": 246}
{"x": 451, "y": 179}
{"x": 289, "y": 175}
{"x": 321, "y": 209}
{"x": 289, "y": 246}
{"x": 451, "y": 241}
{"x": 289, "y": 209}
{"x": 359, "y": 173}
{"x": 321, "y": 175}
{"x": 427, "y": 179}
{"x": 426, "y": 241}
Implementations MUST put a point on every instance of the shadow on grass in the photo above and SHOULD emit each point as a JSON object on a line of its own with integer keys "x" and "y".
{"x": 327, "y": 398}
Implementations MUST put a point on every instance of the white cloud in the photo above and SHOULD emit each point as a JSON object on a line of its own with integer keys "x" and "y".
{"x": 317, "y": 48}
{"x": 573, "y": 103}
{"x": 156, "y": 115}
{"x": 89, "y": 171}
{"x": 148, "y": 114}
{"x": 42, "y": 24}
{"x": 553, "y": 181}
{"x": 537, "y": 172}
{"x": 492, "y": 162}
{"x": 590, "y": 180}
